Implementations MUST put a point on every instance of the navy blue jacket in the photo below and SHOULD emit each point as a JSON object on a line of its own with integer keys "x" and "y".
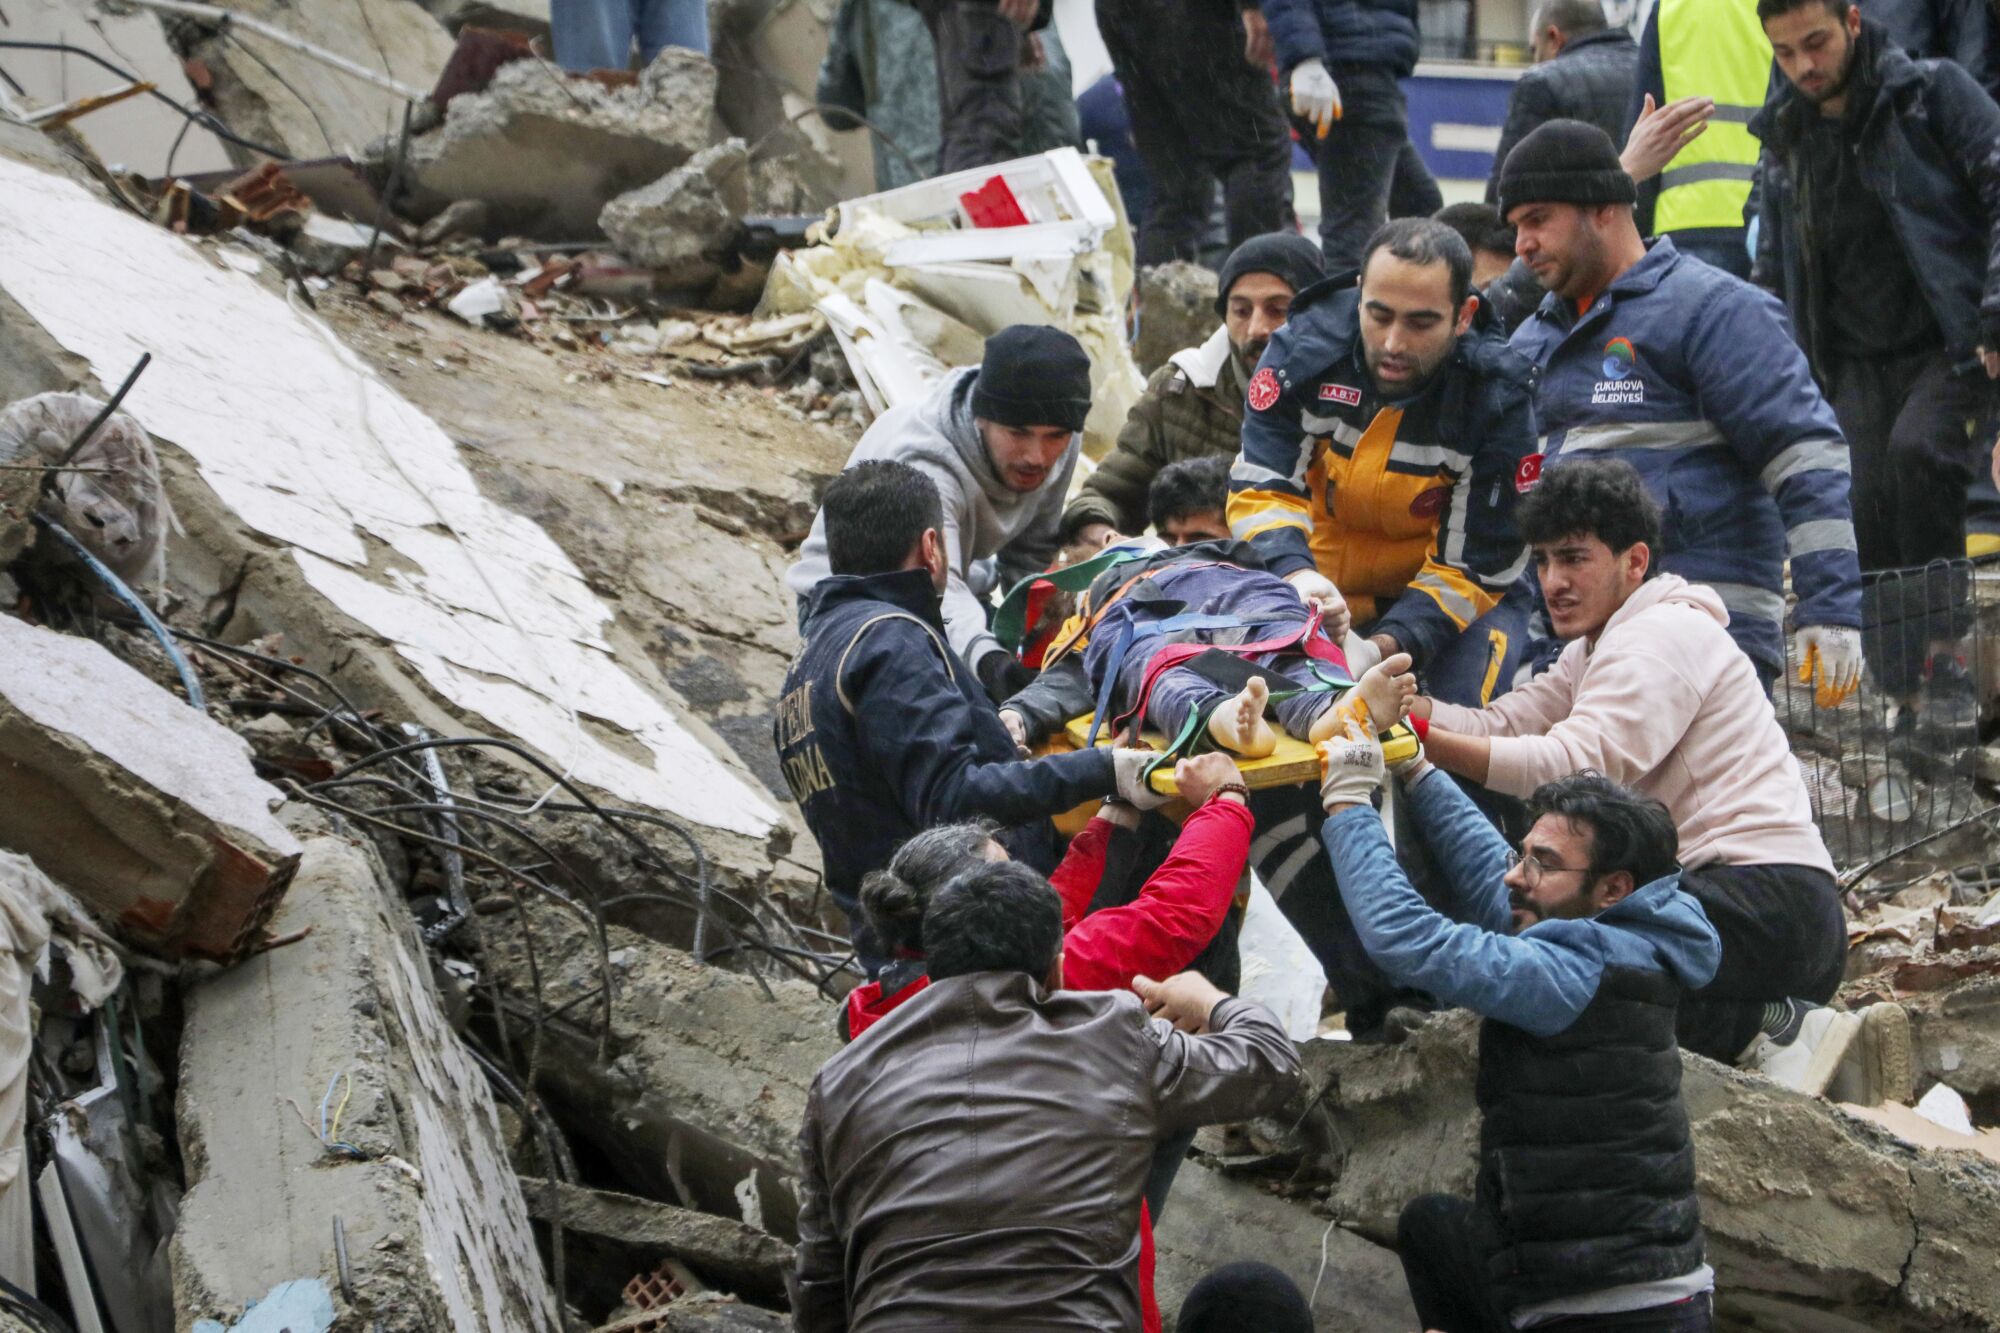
{"x": 1692, "y": 376}
{"x": 883, "y": 732}
{"x": 1929, "y": 147}
{"x": 1345, "y": 32}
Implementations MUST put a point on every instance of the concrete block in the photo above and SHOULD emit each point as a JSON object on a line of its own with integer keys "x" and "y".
{"x": 726, "y": 1254}
{"x": 546, "y": 151}
{"x": 1176, "y": 310}
{"x": 142, "y": 806}
{"x": 688, "y": 213}
{"x": 435, "y": 1228}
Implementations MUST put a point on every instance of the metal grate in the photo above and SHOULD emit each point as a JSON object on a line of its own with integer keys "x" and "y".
{"x": 1896, "y": 762}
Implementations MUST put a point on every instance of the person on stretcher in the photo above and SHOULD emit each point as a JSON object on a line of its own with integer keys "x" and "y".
{"x": 1193, "y": 639}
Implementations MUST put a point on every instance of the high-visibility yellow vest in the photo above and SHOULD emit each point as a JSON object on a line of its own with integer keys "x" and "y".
{"x": 1712, "y": 48}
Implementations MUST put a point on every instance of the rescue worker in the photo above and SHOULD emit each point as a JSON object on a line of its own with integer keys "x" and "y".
{"x": 999, "y": 441}
{"x": 881, "y": 731}
{"x": 1712, "y": 49}
{"x": 1692, "y": 376}
{"x": 1390, "y": 431}
{"x": 1193, "y": 405}
{"x": 1881, "y": 196}
{"x": 1652, "y": 694}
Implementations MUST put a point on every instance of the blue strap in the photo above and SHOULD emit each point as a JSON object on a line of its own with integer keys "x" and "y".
{"x": 1128, "y": 632}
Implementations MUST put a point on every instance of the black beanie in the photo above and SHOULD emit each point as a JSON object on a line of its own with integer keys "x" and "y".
{"x": 1033, "y": 375}
{"x": 1283, "y": 254}
{"x": 1245, "y": 1297}
{"x": 1564, "y": 162}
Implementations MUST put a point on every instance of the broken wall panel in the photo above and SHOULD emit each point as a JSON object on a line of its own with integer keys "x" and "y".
{"x": 138, "y": 134}
{"x": 307, "y": 446}
{"x": 434, "y": 1225}
{"x": 142, "y": 806}
{"x": 266, "y": 91}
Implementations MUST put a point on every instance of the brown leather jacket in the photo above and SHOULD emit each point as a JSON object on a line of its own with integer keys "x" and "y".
{"x": 976, "y": 1158}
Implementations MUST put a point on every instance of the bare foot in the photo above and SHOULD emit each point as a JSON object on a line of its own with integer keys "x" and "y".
{"x": 1238, "y": 724}
{"x": 1378, "y": 700}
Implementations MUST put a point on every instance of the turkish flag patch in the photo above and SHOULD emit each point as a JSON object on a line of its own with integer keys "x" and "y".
{"x": 1528, "y": 473}
{"x": 1340, "y": 393}
{"x": 1264, "y": 390}
{"x": 1430, "y": 503}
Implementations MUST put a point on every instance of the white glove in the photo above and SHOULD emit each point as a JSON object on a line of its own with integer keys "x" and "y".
{"x": 1411, "y": 771}
{"x": 1316, "y": 589}
{"x": 1829, "y": 661}
{"x": 1130, "y": 766}
{"x": 1361, "y": 654}
{"x": 1353, "y": 765}
{"x": 1315, "y": 96}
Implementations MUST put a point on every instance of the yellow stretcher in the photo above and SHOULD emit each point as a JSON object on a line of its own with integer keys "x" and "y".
{"x": 1293, "y": 762}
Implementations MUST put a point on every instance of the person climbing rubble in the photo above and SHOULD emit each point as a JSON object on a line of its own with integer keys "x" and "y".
{"x": 1575, "y": 951}
{"x": 1389, "y": 436}
{"x": 979, "y": 1159}
{"x": 881, "y": 730}
{"x": 1000, "y": 442}
{"x": 1652, "y": 692}
{"x": 1193, "y": 405}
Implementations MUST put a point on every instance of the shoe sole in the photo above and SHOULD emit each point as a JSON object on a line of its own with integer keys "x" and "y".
{"x": 1888, "y": 1061}
{"x": 1827, "y": 1057}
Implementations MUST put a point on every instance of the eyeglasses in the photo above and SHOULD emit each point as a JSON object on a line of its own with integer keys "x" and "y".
{"x": 1536, "y": 867}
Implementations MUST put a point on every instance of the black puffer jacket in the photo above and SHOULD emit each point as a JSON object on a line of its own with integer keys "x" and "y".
{"x": 1929, "y": 147}
{"x": 1586, "y": 1166}
{"x": 1591, "y": 80}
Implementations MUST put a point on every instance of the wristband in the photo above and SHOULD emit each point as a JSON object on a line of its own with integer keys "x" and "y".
{"x": 1420, "y": 725}
{"x": 1236, "y": 787}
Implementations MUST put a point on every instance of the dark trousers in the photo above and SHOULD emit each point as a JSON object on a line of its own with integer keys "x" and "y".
{"x": 1449, "y": 1286}
{"x": 982, "y": 105}
{"x": 1368, "y": 170}
{"x": 1200, "y": 114}
{"x": 1784, "y": 936}
{"x": 1912, "y": 429}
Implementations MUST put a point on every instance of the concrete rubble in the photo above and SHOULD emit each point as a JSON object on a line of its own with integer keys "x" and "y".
{"x": 139, "y": 804}
{"x": 505, "y": 1019}
{"x": 1176, "y": 310}
{"x": 410, "y": 1181}
{"x": 675, "y": 223}
{"x": 545, "y": 152}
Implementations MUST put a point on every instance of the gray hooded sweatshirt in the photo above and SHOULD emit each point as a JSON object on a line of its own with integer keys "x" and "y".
{"x": 993, "y": 536}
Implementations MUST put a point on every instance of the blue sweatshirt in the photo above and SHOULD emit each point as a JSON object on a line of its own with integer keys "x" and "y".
{"x": 1539, "y": 980}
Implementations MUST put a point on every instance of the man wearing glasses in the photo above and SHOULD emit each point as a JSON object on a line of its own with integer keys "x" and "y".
{"x": 1576, "y": 952}
{"x": 1653, "y": 693}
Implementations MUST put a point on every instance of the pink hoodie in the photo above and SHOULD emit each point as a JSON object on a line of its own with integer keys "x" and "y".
{"x": 1664, "y": 702}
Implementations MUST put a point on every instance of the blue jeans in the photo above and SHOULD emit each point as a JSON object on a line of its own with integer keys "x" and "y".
{"x": 597, "y": 34}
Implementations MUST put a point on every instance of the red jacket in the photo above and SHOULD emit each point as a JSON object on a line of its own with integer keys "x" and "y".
{"x": 1156, "y": 934}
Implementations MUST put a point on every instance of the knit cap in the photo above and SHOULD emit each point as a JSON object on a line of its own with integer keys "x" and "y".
{"x": 1283, "y": 254}
{"x": 1564, "y": 162}
{"x": 1033, "y": 375}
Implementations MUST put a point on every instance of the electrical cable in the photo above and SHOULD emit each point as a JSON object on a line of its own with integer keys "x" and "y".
{"x": 189, "y": 680}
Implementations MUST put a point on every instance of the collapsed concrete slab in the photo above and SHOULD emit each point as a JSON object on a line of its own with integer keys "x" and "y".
{"x": 449, "y": 602}
{"x": 687, "y": 214}
{"x": 704, "y": 1089}
{"x": 416, "y": 1199}
{"x": 546, "y": 151}
{"x": 140, "y": 805}
{"x": 1815, "y": 1219}
{"x": 1214, "y": 1219}
{"x": 272, "y": 94}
